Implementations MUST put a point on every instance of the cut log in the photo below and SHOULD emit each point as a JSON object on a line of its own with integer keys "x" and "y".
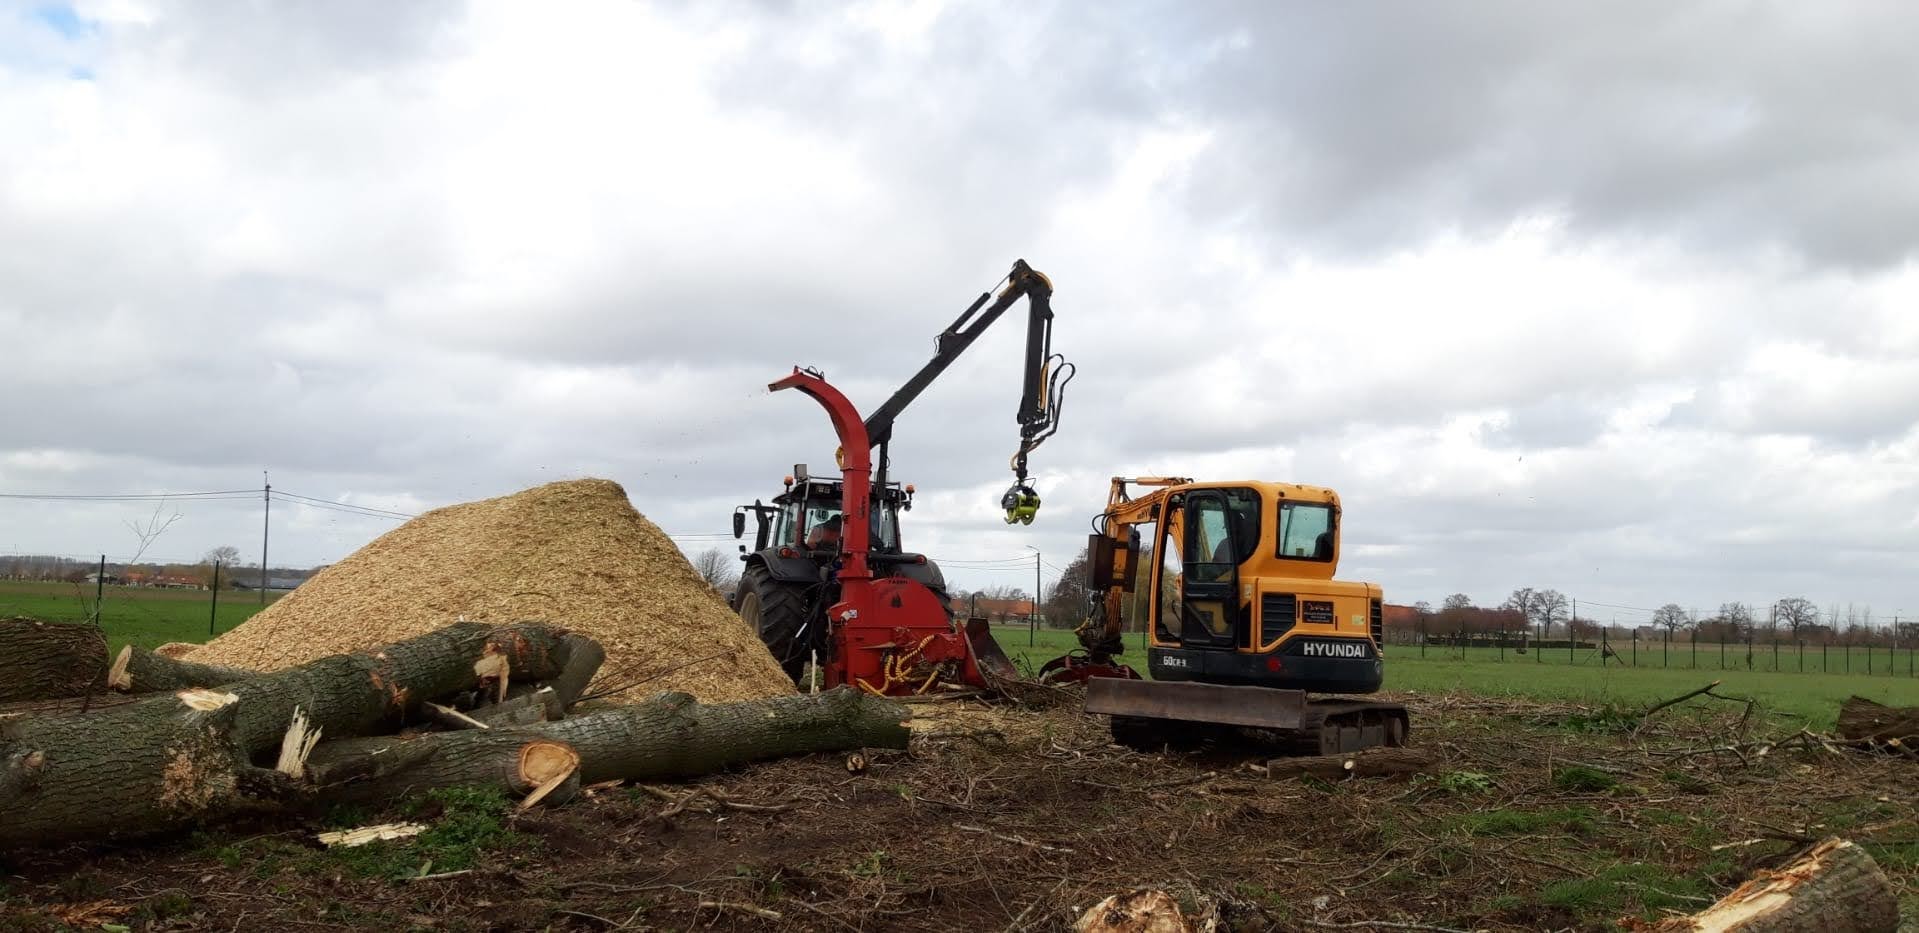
{"x": 1145, "y": 910}
{"x": 541, "y": 705}
{"x": 137, "y": 670}
{"x": 49, "y": 660}
{"x": 1370, "y": 762}
{"x": 1834, "y": 888}
{"x": 667, "y": 736}
{"x": 169, "y": 760}
{"x": 517, "y": 763}
{"x": 129, "y": 770}
{"x": 1866, "y": 722}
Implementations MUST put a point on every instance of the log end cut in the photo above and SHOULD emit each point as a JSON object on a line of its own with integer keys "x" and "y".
{"x": 1834, "y": 888}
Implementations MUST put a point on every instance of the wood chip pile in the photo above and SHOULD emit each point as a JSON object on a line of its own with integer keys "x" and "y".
{"x": 575, "y": 554}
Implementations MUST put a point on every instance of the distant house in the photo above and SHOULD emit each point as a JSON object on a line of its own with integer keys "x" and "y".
{"x": 112, "y": 579}
{"x": 282, "y": 584}
{"x": 993, "y": 610}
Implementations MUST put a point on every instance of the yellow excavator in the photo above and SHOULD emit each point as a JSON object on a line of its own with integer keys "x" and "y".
{"x": 1244, "y": 619}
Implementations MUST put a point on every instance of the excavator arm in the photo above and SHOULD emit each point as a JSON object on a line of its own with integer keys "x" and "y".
{"x": 1112, "y": 571}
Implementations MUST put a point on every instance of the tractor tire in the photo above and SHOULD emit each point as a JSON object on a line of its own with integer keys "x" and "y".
{"x": 777, "y": 613}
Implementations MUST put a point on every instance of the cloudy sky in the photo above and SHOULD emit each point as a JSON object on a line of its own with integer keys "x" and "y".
{"x": 1613, "y": 298}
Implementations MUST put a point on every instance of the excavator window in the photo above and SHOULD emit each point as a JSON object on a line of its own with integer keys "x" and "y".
{"x": 1306, "y": 531}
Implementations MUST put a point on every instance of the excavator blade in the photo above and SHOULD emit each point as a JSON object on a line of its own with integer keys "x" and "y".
{"x": 1182, "y": 701}
{"x": 987, "y": 653}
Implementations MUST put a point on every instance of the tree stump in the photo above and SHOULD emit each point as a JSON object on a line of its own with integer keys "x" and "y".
{"x": 1834, "y": 888}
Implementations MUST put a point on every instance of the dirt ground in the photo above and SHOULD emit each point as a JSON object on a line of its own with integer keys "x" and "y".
{"x": 1539, "y": 817}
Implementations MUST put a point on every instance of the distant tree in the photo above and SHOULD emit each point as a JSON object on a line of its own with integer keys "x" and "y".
{"x": 719, "y": 571}
{"x": 1550, "y": 608}
{"x": 1066, "y": 604}
{"x": 1671, "y": 617}
{"x": 1423, "y": 608}
{"x": 1522, "y": 601}
{"x": 1795, "y": 613}
{"x": 226, "y": 555}
{"x": 1456, "y": 601}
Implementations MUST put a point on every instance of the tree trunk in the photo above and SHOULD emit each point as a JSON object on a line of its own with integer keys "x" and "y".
{"x": 1369, "y": 762}
{"x": 137, "y": 670}
{"x": 168, "y": 760}
{"x": 667, "y": 736}
{"x": 49, "y": 660}
{"x": 130, "y": 770}
{"x": 1864, "y": 721}
{"x": 513, "y": 761}
{"x": 541, "y": 705}
{"x": 1835, "y": 888}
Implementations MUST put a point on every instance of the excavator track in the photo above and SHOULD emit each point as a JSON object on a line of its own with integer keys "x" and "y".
{"x": 1157, "y": 715}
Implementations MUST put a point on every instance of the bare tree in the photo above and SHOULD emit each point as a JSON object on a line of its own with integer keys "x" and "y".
{"x": 1796, "y": 612}
{"x": 716, "y": 569}
{"x": 1671, "y": 617}
{"x": 1456, "y": 601}
{"x": 1550, "y": 608}
{"x": 226, "y": 555}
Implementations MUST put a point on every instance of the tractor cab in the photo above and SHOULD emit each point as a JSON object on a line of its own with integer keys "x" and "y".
{"x": 796, "y": 537}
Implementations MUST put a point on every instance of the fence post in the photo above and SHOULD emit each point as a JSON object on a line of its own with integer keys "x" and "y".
{"x": 1635, "y": 647}
{"x": 1665, "y": 657}
{"x": 1722, "y": 653}
{"x": 213, "y": 611}
{"x": 1802, "y": 656}
{"x": 1848, "y": 651}
{"x": 1422, "y": 637}
{"x": 1825, "y": 666}
{"x": 1605, "y": 647}
{"x": 1868, "y": 659}
{"x": 1775, "y": 652}
{"x": 1695, "y": 651}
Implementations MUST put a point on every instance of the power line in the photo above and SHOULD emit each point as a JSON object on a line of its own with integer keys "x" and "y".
{"x": 225, "y": 494}
{"x": 296, "y": 499}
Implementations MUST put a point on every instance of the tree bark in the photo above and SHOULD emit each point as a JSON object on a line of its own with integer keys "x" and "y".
{"x": 49, "y": 660}
{"x": 169, "y": 760}
{"x": 1370, "y": 762}
{"x": 1864, "y": 721}
{"x": 1835, "y": 888}
{"x": 513, "y": 761}
{"x": 137, "y": 670}
{"x": 131, "y": 770}
{"x": 667, "y": 736}
{"x": 540, "y": 705}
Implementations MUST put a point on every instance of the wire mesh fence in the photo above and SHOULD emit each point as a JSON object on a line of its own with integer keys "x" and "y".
{"x": 1762, "y": 651}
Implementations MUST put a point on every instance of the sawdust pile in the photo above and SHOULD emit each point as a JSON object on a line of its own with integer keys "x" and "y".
{"x": 575, "y": 554}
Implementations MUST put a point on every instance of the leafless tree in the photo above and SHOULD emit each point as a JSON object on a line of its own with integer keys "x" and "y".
{"x": 1456, "y": 601}
{"x": 717, "y": 569}
{"x": 1550, "y": 607}
{"x": 226, "y": 555}
{"x": 1671, "y": 617}
{"x": 1795, "y": 612}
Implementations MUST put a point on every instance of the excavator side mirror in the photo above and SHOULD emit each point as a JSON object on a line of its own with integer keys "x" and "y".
{"x": 739, "y": 524}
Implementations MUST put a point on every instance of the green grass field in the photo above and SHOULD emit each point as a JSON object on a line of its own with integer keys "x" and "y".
{"x": 1812, "y": 699}
{"x": 146, "y": 617}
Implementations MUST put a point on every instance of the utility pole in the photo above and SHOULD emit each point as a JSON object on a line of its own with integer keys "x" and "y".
{"x": 266, "y": 513}
{"x": 213, "y": 612}
{"x": 1032, "y": 623}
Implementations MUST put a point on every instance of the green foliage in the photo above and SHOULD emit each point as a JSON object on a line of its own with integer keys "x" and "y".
{"x": 1894, "y": 856}
{"x": 1465, "y": 782}
{"x": 469, "y": 826}
{"x": 1649, "y": 887}
{"x": 1606, "y": 720}
{"x": 1580, "y": 779}
{"x": 874, "y": 864}
{"x": 1575, "y": 820}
